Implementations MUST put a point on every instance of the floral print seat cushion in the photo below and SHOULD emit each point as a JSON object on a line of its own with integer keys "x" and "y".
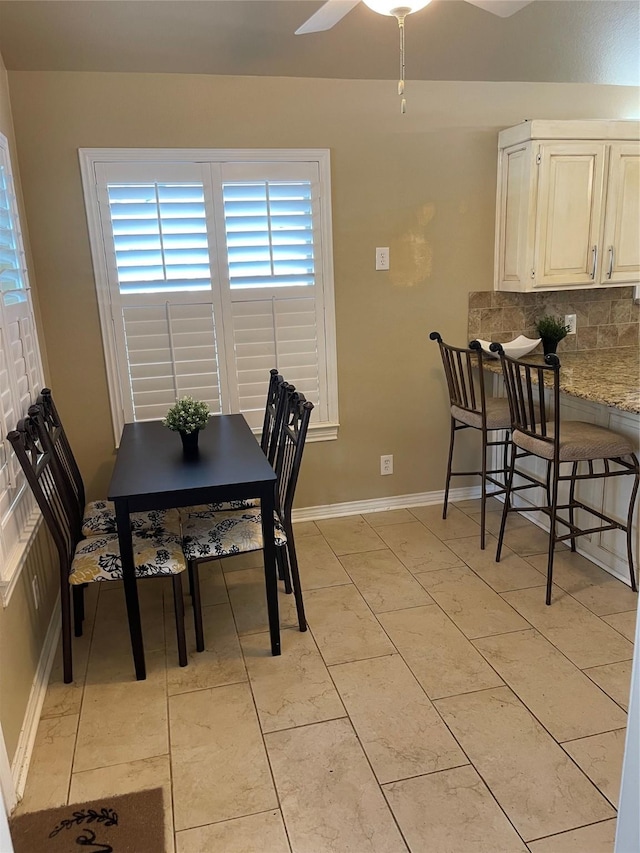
{"x": 210, "y": 534}
{"x": 155, "y": 554}
{"x": 100, "y": 518}
{"x": 207, "y": 510}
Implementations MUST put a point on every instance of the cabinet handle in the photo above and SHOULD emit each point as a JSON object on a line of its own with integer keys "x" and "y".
{"x": 610, "y": 270}
{"x": 594, "y": 254}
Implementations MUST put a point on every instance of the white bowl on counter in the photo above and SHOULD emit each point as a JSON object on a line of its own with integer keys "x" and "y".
{"x": 514, "y": 349}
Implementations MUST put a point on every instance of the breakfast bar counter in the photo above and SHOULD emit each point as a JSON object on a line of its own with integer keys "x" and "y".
{"x": 610, "y": 377}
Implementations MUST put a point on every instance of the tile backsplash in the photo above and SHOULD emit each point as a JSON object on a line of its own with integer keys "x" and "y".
{"x": 605, "y": 318}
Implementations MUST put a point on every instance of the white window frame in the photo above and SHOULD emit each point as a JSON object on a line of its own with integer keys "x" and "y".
{"x": 19, "y": 526}
{"x": 90, "y": 158}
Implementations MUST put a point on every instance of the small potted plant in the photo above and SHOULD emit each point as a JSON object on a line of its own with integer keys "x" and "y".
{"x": 187, "y": 416}
{"x": 552, "y": 330}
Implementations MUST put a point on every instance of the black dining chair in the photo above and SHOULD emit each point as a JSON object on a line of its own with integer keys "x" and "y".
{"x": 539, "y": 431}
{"x": 470, "y": 407}
{"x": 274, "y": 408}
{"x": 209, "y": 535}
{"x": 97, "y": 517}
{"x": 96, "y": 558}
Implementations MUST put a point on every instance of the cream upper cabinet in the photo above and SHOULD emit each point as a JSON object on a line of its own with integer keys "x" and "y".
{"x": 568, "y": 205}
{"x": 621, "y": 242}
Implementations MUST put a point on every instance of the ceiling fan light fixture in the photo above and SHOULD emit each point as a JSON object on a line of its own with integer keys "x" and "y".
{"x": 397, "y": 8}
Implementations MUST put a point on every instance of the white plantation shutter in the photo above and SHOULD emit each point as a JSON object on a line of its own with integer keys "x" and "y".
{"x": 162, "y": 301}
{"x": 280, "y": 331}
{"x": 269, "y": 233}
{"x": 210, "y": 271}
{"x": 20, "y": 371}
{"x": 272, "y": 233}
{"x": 171, "y": 354}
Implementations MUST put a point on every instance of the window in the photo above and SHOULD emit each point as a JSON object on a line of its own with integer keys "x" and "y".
{"x": 211, "y": 268}
{"x": 20, "y": 377}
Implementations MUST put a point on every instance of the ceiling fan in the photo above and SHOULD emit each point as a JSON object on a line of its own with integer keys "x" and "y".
{"x": 334, "y": 11}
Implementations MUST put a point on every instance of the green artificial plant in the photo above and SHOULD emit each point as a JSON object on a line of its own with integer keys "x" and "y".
{"x": 552, "y": 328}
{"x": 187, "y": 415}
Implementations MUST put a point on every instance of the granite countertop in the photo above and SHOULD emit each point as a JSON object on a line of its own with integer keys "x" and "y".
{"x": 607, "y": 376}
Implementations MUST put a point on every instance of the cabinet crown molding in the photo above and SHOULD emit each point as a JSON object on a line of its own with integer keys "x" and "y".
{"x": 600, "y": 129}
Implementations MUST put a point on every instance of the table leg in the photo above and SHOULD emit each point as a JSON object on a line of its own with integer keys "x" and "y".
{"x": 267, "y": 502}
{"x": 123, "y": 523}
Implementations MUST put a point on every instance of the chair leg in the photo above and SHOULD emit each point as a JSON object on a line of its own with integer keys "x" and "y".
{"x": 572, "y": 494}
{"x": 178, "y": 606}
{"x": 452, "y": 440}
{"x": 552, "y": 529}
{"x": 283, "y": 569}
{"x": 483, "y": 490}
{"x": 194, "y": 585}
{"x": 507, "y": 499}
{"x": 295, "y": 577}
{"x": 505, "y": 456}
{"x": 78, "y": 608}
{"x": 67, "y": 659}
{"x": 632, "y": 501}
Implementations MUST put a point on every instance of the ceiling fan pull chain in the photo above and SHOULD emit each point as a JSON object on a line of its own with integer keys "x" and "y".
{"x": 403, "y": 102}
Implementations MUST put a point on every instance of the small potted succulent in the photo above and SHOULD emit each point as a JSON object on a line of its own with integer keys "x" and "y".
{"x": 552, "y": 330}
{"x": 187, "y": 416}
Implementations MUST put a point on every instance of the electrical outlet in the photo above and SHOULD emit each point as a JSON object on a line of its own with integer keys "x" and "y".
{"x": 36, "y": 591}
{"x": 570, "y": 321}
{"x": 382, "y": 258}
{"x": 386, "y": 464}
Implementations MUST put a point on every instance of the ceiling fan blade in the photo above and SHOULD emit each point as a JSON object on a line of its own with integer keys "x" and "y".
{"x": 503, "y": 8}
{"x": 327, "y": 15}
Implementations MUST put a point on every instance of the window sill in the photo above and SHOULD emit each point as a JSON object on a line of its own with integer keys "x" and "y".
{"x": 16, "y": 560}
{"x": 316, "y": 432}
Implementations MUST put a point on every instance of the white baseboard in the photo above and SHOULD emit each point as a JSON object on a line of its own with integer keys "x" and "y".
{"x": 313, "y": 513}
{"x": 24, "y": 749}
{"x": 7, "y": 787}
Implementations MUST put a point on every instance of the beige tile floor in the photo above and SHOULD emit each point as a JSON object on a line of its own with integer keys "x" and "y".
{"x": 436, "y": 704}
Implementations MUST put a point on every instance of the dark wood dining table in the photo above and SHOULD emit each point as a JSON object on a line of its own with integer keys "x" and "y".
{"x": 152, "y": 472}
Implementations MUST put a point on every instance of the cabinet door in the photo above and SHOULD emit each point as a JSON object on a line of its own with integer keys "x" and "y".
{"x": 514, "y": 218}
{"x": 621, "y": 245}
{"x": 568, "y": 215}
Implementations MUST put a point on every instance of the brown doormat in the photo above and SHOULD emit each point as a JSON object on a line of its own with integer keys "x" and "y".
{"x": 130, "y": 823}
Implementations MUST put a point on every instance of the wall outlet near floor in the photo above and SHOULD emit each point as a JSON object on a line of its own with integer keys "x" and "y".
{"x": 386, "y": 464}
{"x": 570, "y": 321}
{"x": 35, "y": 588}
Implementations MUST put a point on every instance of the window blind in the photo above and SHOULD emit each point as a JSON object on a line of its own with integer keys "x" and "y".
{"x": 210, "y": 271}
{"x": 269, "y": 233}
{"x": 20, "y": 369}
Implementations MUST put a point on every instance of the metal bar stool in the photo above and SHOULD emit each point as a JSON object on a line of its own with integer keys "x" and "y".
{"x": 472, "y": 409}
{"x": 539, "y": 432}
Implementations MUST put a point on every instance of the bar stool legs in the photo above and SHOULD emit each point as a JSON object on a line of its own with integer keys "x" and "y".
{"x": 452, "y": 439}
{"x": 552, "y": 529}
{"x": 632, "y": 503}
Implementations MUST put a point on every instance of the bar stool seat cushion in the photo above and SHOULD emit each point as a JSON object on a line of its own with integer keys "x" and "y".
{"x": 579, "y": 442}
{"x": 498, "y": 414}
{"x": 100, "y": 519}
{"x": 222, "y": 534}
{"x": 98, "y": 557}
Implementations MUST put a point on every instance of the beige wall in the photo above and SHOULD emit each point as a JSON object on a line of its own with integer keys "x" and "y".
{"x": 22, "y": 627}
{"x": 422, "y": 184}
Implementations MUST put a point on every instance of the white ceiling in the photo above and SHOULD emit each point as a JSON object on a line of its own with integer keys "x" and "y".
{"x": 578, "y": 41}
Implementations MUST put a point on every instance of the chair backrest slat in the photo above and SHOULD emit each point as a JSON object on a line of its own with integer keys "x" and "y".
{"x": 49, "y": 419}
{"x": 464, "y": 381}
{"x": 293, "y": 433}
{"x": 525, "y": 384}
{"x": 39, "y": 470}
{"x": 273, "y": 412}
